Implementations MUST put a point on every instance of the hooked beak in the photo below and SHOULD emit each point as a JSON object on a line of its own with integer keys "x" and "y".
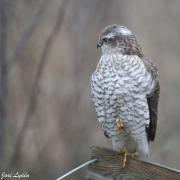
{"x": 99, "y": 44}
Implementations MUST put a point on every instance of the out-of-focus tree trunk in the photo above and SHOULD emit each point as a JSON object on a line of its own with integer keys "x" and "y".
{"x": 3, "y": 72}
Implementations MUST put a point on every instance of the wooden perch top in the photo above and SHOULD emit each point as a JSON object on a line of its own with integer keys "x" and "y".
{"x": 109, "y": 167}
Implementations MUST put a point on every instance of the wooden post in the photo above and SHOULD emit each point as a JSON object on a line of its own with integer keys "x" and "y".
{"x": 109, "y": 167}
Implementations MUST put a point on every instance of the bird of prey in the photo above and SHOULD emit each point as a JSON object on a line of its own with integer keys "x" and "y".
{"x": 125, "y": 90}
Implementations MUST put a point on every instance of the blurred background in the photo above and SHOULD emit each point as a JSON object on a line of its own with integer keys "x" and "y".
{"x": 47, "y": 54}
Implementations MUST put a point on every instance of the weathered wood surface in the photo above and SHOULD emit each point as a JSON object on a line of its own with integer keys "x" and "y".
{"x": 109, "y": 167}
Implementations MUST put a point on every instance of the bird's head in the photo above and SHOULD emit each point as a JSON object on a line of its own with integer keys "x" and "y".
{"x": 115, "y": 38}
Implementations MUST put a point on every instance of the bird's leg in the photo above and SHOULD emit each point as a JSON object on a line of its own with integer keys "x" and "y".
{"x": 125, "y": 154}
{"x": 119, "y": 124}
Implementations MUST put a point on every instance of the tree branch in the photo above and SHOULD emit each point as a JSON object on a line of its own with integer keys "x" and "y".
{"x": 21, "y": 45}
{"x": 3, "y": 72}
{"x": 35, "y": 89}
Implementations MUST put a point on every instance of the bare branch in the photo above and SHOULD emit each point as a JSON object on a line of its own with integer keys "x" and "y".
{"x": 28, "y": 33}
{"x": 3, "y": 72}
{"x": 35, "y": 89}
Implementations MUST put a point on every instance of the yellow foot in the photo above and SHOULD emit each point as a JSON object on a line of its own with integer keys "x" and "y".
{"x": 119, "y": 124}
{"x": 125, "y": 154}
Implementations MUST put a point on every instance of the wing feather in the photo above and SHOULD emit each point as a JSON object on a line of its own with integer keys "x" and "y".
{"x": 152, "y": 100}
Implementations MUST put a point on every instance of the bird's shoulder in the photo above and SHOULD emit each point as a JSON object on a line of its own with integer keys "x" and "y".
{"x": 151, "y": 68}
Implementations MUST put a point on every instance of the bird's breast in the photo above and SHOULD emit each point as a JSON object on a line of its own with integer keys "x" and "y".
{"x": 120, "y": 79}
{"x": 127, "y": 73}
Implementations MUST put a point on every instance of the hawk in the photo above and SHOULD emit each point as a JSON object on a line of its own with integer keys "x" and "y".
{"x": 125, "y": 90}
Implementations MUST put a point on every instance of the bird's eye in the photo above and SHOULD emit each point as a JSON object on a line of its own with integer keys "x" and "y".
{"x": 105, "y": 40}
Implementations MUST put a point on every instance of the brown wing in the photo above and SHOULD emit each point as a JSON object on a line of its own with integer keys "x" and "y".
{"x": 152, "y": 100}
